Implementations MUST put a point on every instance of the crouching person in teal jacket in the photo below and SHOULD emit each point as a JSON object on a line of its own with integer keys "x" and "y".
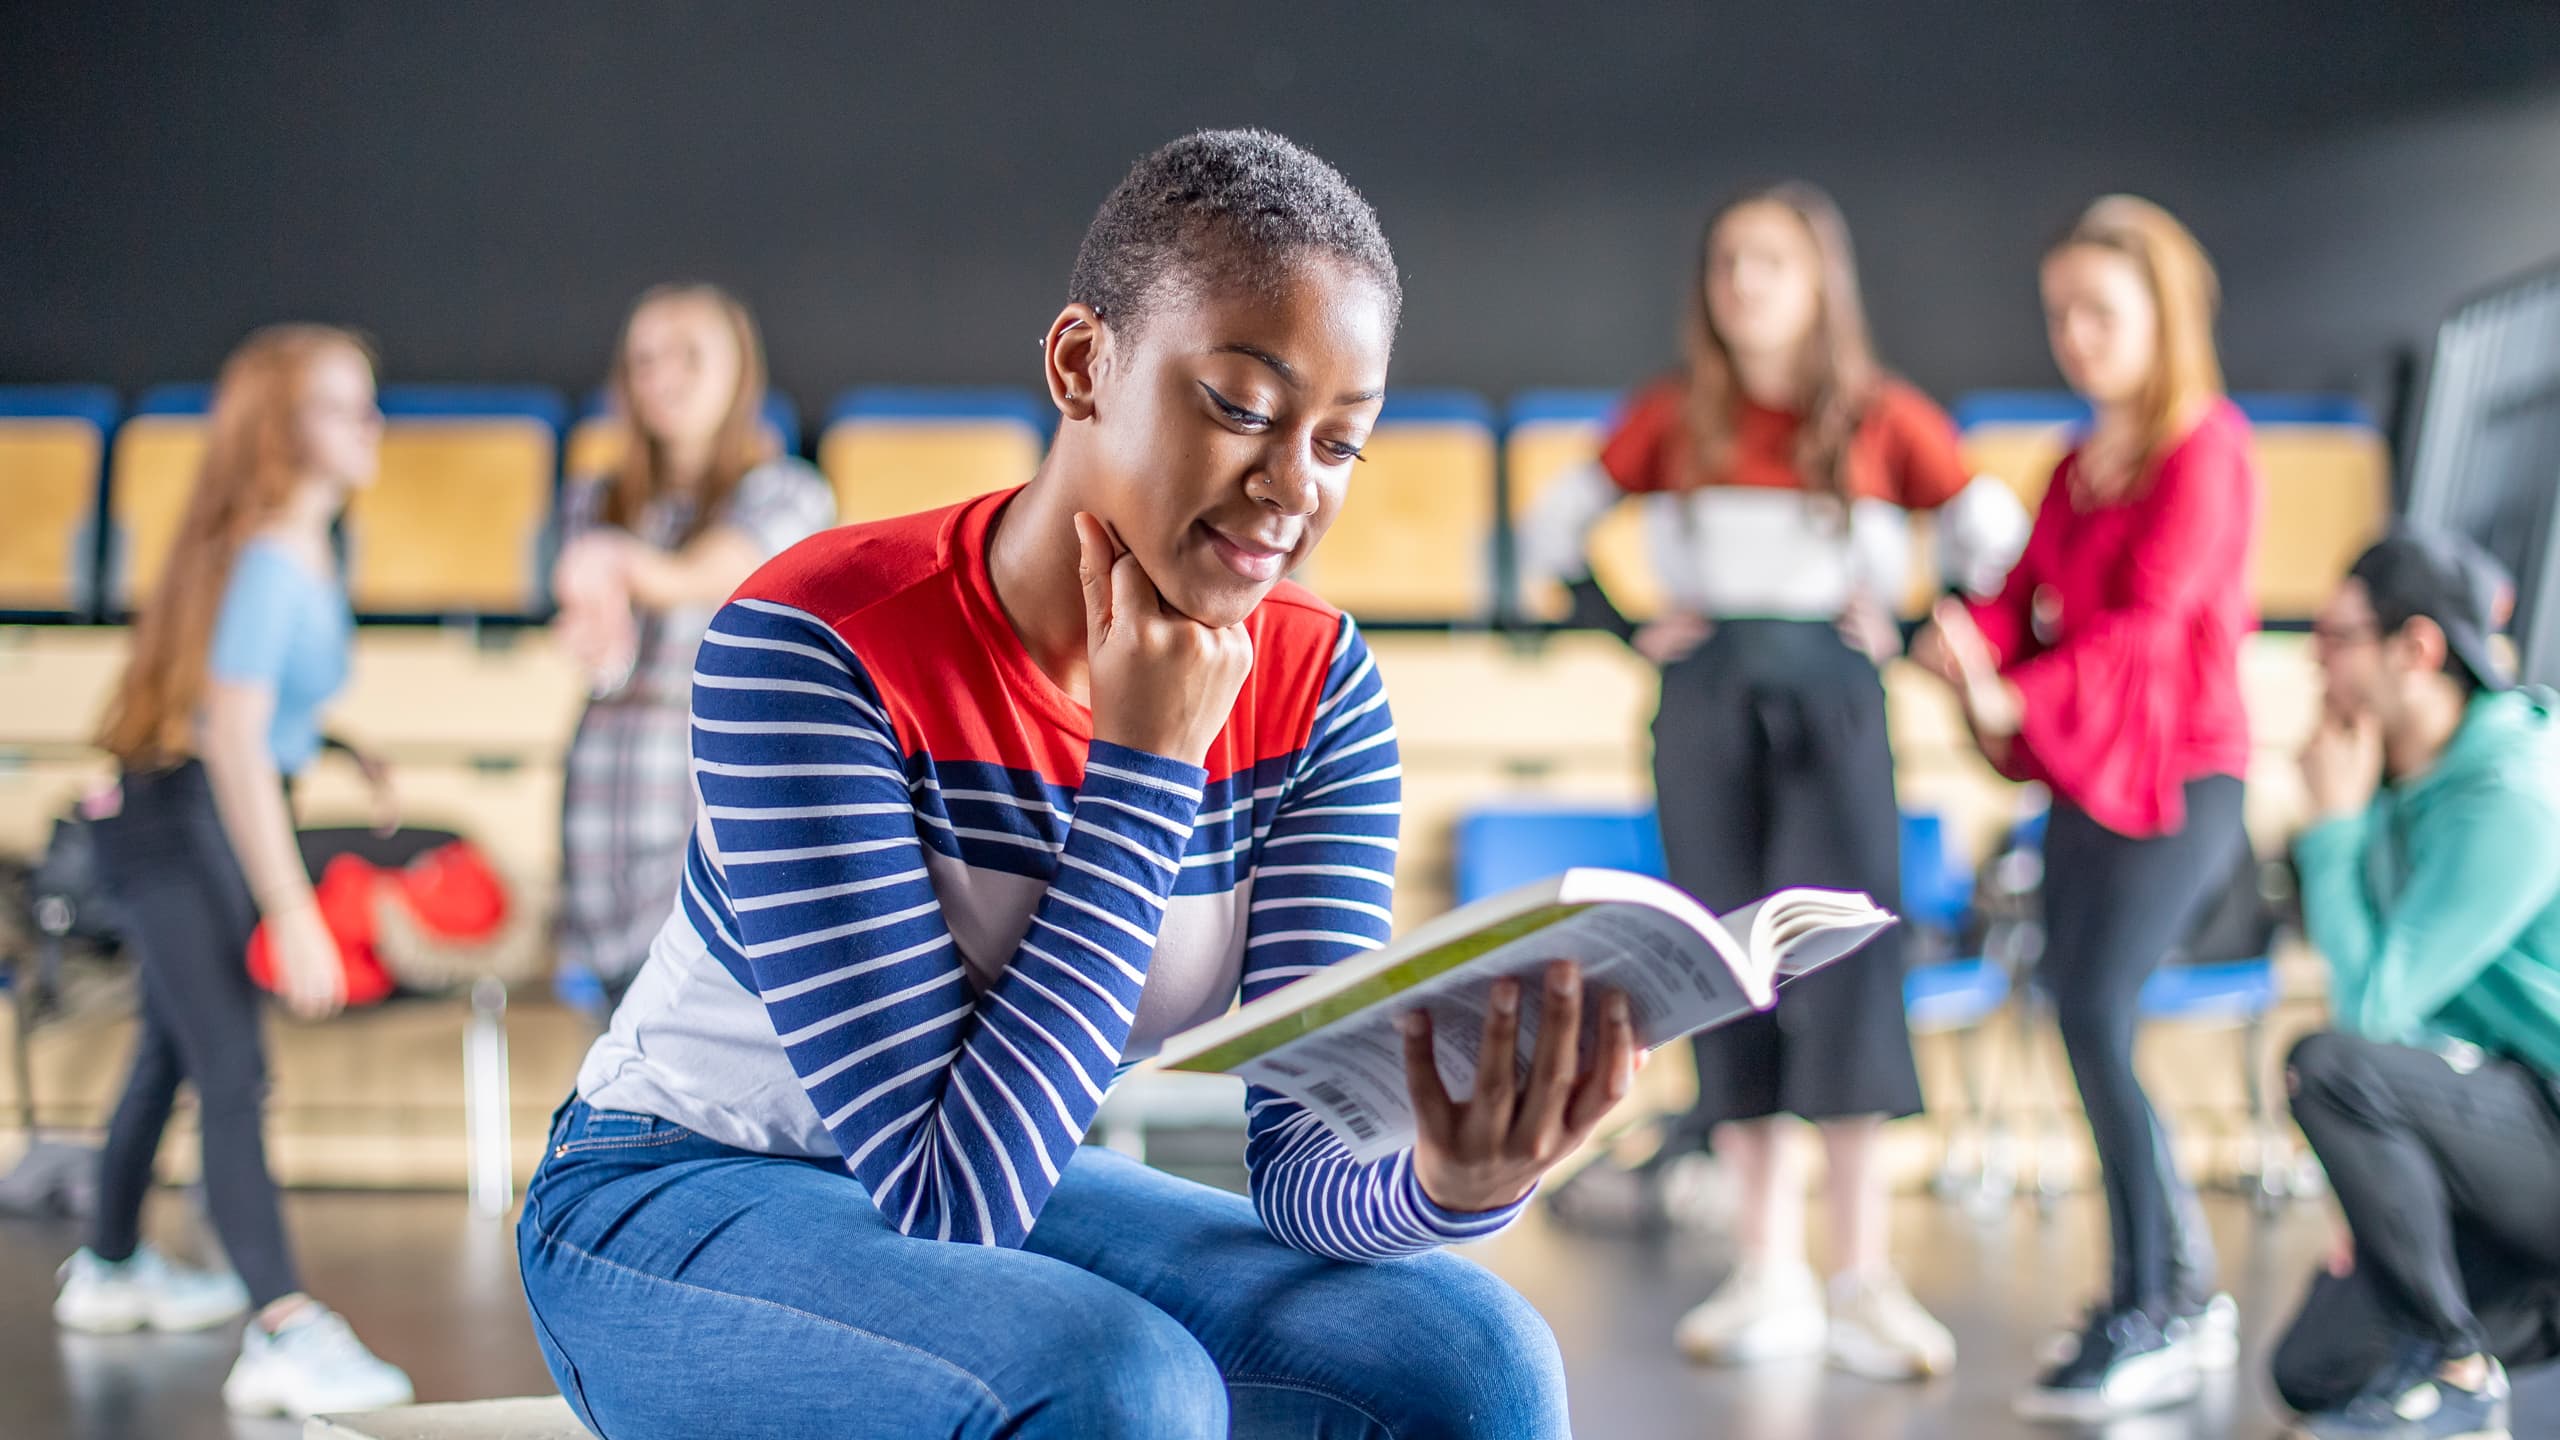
{"x": 2431, "y": 882}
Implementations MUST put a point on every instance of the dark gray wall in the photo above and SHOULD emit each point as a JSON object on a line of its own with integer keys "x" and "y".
{"x": 899, "y": 189}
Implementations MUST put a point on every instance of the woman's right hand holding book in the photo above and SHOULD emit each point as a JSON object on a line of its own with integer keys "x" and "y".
{"x": 1488, "y": 1151}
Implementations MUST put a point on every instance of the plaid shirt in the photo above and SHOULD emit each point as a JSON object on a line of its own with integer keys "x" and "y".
{"x": 626, "y": 805}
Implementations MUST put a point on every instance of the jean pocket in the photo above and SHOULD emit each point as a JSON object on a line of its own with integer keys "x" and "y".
{"x": 599, "y": 1130}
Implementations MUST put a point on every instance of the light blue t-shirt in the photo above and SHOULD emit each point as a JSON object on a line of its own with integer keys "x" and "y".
{"x": 285, "y": 627}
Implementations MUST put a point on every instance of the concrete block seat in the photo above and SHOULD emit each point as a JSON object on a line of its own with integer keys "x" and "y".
{"x": 547, "y": 1418}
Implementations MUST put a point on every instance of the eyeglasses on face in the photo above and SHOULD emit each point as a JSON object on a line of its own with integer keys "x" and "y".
{"x": 2339, "y": 637}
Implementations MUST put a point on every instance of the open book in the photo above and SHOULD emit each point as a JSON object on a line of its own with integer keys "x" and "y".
{"x": 1330, "y": 1041}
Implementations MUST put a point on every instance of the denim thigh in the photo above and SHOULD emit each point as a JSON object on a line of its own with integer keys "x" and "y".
{"x": 681, "y": 1288}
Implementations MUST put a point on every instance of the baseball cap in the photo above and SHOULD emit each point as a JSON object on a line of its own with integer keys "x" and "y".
{"x": 2449, "y": 580}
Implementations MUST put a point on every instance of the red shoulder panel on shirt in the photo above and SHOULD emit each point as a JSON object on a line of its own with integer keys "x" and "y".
{"x": 903, "y": 596}
{"x": 1294, "y": 634}
{"x": 840, "y": 572}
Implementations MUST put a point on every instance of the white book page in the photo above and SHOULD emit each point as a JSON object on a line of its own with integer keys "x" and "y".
{"x": 1793, "y": 932}
{"x": 1677, "y": 979}
{"x": 1681, "y": 969}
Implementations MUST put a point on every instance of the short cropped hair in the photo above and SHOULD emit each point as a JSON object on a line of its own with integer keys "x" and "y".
{"x": 1222, "y": 209}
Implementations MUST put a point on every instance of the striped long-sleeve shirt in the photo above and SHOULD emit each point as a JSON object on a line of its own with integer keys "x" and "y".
{"x": 927, "y": 919}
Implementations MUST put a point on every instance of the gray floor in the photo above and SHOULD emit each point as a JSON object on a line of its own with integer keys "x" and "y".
{"x": 436, "y": 1291}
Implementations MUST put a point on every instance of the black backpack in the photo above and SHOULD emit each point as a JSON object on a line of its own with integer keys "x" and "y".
{"x": 66, "y": 896}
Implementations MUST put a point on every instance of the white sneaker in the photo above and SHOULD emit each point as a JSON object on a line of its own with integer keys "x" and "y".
{"x": 1878, "y": 1331}
{"x": 1761, "y": 1312}
{"x": 143, "y": 1291}
{"x": 315, "y": 1365}
{"x": 2212, "y": 1333}
{"x": 2123, "y": 1365}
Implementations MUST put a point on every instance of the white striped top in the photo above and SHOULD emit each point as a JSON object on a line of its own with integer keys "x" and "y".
{"x": 927, "y": 920}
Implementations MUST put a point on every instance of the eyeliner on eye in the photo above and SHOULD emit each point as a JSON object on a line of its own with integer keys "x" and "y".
{"x": 1233, "y": 411}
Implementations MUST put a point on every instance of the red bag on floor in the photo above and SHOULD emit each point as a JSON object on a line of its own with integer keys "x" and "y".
{"x": 448, "y": 920}
{"x": 453, "y": 892}
{"x": 345, "y": 893}
{"x": 437, "y": 922}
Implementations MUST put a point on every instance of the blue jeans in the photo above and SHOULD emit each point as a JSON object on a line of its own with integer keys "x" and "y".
{"x": 682, "y": 1288}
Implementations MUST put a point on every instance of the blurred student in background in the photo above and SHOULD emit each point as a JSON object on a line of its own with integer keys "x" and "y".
{"x": 1778, "y": 472}
{"x": 698, "y": 499}
{"x": 2109, "y": 669}
{"x": 244, "y": 640}
{"x": 2431, "y": 884}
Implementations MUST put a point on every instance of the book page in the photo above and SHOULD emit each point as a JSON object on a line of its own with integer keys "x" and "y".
{"x": 1797, "y": 931}
{"x": 1352, "y": 1073}
{"x": 1819, "y": 947}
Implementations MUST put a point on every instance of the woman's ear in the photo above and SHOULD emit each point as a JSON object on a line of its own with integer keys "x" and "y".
{"x": 1073, "y": 352}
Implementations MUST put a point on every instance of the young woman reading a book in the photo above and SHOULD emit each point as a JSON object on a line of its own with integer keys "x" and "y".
{"x": 995, "y": 799}
{"x": 2109, "y": 668}
{"x": 1780, "y": 469}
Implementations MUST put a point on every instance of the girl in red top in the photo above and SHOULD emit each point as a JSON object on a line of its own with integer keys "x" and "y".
{"x": 1777, "y": 475}
{"x": 2109, "y": 669}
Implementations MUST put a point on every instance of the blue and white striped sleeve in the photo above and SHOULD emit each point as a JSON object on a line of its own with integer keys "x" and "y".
{"x": 1324, "y": 890}
{"x": 956, "y": 1109}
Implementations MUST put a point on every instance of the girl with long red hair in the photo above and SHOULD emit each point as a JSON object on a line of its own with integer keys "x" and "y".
{"x": 241, "y": 643}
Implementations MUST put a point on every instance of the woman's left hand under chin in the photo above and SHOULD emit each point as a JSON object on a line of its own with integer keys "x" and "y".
{"x": 1490, "y": 1150}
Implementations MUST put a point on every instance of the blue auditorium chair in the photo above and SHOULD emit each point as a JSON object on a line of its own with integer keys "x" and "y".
{"x": 1415, "y": 539}
{"x": 1956, "y": 996}
{"x": 454, "y": 524}
{"x": 1512, "y": 844}
{"x": 53, "y": 451}
{"x": 1547, "y": 433}
{"x": 151, "y": 469}
{"x": 893, "y": 450}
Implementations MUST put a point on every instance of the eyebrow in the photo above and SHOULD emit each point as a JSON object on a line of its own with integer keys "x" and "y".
{"x": 1289, "y": 374}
